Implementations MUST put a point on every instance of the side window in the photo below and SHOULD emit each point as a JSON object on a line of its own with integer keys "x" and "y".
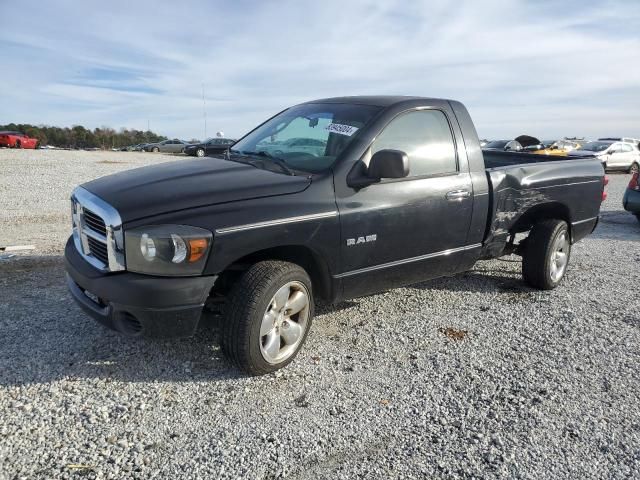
{"x": 425, "y": 137}
{"x": 627, "y": 148}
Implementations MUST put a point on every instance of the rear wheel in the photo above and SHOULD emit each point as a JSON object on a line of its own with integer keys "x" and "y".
{"x": 546, "y": 255}
{"x": 635, "y": 168}
{"x": 200, "y": 152}
{"x": 269, "y": 315}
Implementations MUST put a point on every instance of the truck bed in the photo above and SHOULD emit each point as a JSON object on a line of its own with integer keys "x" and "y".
{"x": 496, "y": 158}
{"x": 525, "y": 186}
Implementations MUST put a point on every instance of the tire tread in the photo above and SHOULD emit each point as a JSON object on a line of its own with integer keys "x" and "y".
{"x": 244, "y": 300}
{"x": 535, "y": 258}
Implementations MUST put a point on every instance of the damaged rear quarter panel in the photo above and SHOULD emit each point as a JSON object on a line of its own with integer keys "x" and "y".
{"x": 563, "y": 186}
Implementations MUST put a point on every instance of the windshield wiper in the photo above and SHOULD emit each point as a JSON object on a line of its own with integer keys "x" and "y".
{"x": 278, "y": 161}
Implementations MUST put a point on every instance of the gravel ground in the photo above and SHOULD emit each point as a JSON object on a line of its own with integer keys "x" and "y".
{"x": 35, "y": 186}
{"x": 470, "y": 376}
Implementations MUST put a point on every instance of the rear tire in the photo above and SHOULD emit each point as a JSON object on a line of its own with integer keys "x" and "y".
{"x": 547, "y": 253}
{"x": 271, "y": 305}
{"x": 634, "y": 168}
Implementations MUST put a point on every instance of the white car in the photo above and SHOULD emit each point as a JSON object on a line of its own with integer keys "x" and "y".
{"x": 613, "y": 155}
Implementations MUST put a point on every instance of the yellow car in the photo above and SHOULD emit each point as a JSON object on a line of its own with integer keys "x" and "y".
{"x": 560, "y": 147}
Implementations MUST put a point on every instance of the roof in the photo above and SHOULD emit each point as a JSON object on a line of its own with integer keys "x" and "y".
{"x": 376, "y": 100}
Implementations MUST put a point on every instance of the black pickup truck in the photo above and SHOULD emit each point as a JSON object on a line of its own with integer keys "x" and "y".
{"x": 381, "y": 192}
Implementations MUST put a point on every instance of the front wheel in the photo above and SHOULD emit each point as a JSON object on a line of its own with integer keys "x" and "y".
{"x": 269, "y": 315}
{"x": 546, "y": 255}
{"x": 634, "y": 168}
{"x": 156, "y": 149}
{"x": 200, "y": 152}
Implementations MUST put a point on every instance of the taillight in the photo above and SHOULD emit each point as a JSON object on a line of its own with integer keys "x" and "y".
{"x": 605, "y": 182}
{"x": 634, "y": 182}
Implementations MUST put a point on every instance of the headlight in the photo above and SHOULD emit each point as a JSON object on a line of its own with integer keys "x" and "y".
{"x": 171, "y": 250}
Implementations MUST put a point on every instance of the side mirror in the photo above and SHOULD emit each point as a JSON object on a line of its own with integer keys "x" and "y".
{"x": 388, "y": 164}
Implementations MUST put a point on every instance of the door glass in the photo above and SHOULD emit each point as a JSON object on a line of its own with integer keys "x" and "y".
{"x": 425, "y": 137}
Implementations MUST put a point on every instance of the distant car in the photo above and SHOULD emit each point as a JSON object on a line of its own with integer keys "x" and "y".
{"x": 17, "y": 140}
{"x": 559, "y": 148}
{"x": 310, "y": 146}
{"x": 620, "y": 139}
{"x": 504, "y": 145}
{"x": 631, "y": 198}
{"x": 614, "y": 155}
{"x": 209, "y": 147}
{"x": 167, "y": 146}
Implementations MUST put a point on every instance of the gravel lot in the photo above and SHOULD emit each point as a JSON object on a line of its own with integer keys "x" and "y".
{"x": 541, "y": 385}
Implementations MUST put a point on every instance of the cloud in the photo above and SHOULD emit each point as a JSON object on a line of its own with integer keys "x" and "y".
{"x": 520, "y": 66}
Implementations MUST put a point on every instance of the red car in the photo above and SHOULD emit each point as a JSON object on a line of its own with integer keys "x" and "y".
{"x": 17, "y": 140}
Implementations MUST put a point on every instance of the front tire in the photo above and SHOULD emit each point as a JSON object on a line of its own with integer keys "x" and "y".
{"x": 269, "y": 315}
{"x": 634, "y": 168}
{"x": 547, "y": 253}
{"x": 156, "y": 149}
{"x": 200, "y": 152}
{"x": 18, "y": 144}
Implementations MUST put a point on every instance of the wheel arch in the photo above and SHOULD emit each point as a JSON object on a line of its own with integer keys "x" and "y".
{"x": 537, "y": 213}
{"x": 302, "y": 255}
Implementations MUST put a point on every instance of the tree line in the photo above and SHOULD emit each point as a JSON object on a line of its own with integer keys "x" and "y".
{"x": 80, "y": 137}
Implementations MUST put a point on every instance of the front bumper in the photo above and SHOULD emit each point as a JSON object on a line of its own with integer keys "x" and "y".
{"x": 631, "y": 201}
{"x": 134, "y": 304}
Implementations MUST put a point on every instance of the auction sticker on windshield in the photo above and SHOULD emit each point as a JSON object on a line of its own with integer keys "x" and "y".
{"x": 347, "y": 130}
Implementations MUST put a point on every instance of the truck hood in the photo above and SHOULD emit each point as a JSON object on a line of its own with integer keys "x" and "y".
{"x": 184, "y": 184}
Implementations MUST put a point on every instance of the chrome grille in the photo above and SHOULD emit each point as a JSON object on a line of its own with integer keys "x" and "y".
{"x": 94, "y": 222}
{"x": 98, "y": 250}
{"x": 97, "y": 231}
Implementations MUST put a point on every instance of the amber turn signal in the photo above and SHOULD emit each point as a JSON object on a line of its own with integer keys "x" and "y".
{"x": 197, "y": 248}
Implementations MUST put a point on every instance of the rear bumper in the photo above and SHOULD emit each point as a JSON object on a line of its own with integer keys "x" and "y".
{"x": 134, "y": 304}
{"x": 631, "y": 201}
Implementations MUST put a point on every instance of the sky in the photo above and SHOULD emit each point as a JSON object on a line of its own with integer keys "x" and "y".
{"x": 544, "y": 68}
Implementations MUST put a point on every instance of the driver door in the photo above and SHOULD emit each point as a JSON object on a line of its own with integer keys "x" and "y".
{"x": 402, "y": 231}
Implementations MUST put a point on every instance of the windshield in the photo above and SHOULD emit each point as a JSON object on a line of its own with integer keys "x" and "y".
{"x": 307, "y": 137}
{"x": 496, "y": 144}
{"x": 596, "y": 146}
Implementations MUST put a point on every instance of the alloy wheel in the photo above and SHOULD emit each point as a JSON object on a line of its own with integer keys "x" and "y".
{"x": 559, "y": 256}
{"x": 284, "y": 322}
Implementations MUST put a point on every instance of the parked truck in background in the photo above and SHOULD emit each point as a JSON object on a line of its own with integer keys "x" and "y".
{"x": 401, "y": 193}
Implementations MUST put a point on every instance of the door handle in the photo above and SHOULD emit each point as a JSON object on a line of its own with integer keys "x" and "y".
{"x": 457, "y": 195}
